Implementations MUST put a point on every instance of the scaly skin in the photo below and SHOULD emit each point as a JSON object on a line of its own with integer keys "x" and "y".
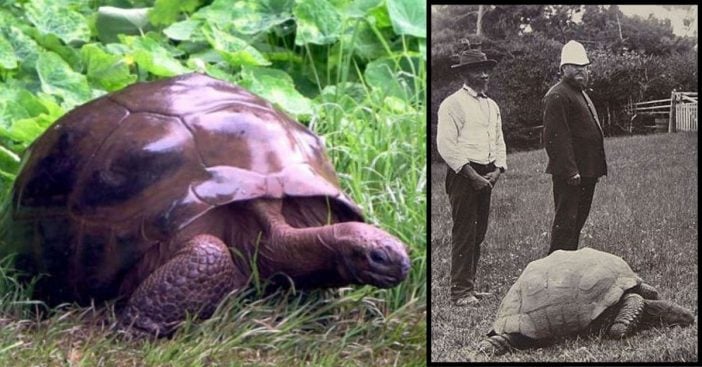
{"x": 628, "y": 316}
{"x": 193, "y": 282}
{"x": 331, "y": 255}
{"x": 197, "y": 278}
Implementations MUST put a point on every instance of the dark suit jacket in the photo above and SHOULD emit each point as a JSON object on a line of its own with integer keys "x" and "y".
{"x": 572, "y": 138}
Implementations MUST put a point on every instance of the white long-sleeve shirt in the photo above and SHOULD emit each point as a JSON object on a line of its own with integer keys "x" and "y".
{"x": 470, "y": 130}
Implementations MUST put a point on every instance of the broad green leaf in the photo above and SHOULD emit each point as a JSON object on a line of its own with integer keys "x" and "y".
{"x": 57, "y": 78}
{"x": 26, "y": 130}
{"x": 252, "y": 17}
{"x": 246, "y": 16}
{"x": 220, "y": 74}
{"x": 23, "y": 115}
{"x": 234, "y": 50}
{"x": 10, "y": 109}
{"x": 153, "y": 57}
{"x": 107, "y": 71}
{"x": 70, "y": 54}
{"x": 30, "y": 104}
{"x": 181, "y": 31}
{"x": 409, "y": 17}
{"x": 112, "y": 22}
{"x": 380, "y": 17}
{"x": 344, "y": 97}
{"x": 166, "y": 12}
{"x": 8, "y": 59}
{"x": 360, "y": 8}
{"x": 26, "y": 49}
{"x": 366, "y": 43}
{"x": 398, "y": 105}
{"x": 277, "y": 87}
{"x": 50, "y": 18}
{"x": 318, "y": 22}
{"x": 391, "y": 77}
{"x": 6, "y": 16}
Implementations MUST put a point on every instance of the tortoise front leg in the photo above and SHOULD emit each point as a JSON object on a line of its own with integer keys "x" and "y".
{"x": 193, "y": 282}
{"x": 628, "y": 316}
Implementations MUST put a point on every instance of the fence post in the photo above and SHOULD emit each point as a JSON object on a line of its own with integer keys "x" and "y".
{"x": 671, "y": 116}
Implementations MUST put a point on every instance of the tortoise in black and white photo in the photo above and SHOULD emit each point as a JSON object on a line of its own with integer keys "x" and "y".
{"x": 571, "y": 292}
{"x": 170, "y": 194}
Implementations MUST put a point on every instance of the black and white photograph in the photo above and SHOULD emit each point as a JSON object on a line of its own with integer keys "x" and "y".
{"x": 563, "y": 205}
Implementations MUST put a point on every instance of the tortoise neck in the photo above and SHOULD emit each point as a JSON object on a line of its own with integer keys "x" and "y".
{"x": 307, "y": 255}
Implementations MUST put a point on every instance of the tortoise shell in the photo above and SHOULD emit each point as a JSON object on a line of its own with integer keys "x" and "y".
{"x": 563, "y": 293}
{"x": 127, "y": 171}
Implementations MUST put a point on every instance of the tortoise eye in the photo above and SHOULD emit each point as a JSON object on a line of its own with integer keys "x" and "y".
{"x": 378, "y": 256}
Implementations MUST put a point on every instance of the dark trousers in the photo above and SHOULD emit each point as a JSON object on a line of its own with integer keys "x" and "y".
{"x": 469, "y": 211}
{"x": 572, "y": 209}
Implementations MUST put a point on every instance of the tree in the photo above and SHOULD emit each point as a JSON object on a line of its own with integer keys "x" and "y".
{"x": 557, "y": 22}
{"x": 507, "y": 21}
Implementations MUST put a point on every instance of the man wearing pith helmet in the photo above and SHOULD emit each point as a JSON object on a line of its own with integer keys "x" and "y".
{"x": 574, "y": 143}
{"x": 469, "y": 139}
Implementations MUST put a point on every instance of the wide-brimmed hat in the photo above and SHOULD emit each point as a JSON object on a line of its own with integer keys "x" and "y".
{"x": 473, "y": 59}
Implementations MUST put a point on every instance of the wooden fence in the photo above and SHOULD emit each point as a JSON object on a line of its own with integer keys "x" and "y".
{"x": 680, "y": 110}
{"x": 686, "y": 117}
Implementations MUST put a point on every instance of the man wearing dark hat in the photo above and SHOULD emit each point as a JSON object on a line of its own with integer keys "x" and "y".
{"x": 469, "y": 139}
{"x": 574, "y": 143}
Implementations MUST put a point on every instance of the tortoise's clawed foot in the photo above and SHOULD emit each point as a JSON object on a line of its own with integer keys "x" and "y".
{"x": 134, "y": 326}
{"x": 495, "y": 345}
{"x": 126, "y": 329}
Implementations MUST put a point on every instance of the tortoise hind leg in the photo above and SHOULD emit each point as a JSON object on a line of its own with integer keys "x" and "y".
{"x": 193, "y": 282}
{"x": 628, "y": 316}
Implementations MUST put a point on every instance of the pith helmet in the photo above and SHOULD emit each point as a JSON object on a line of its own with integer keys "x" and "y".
{"x": 470, "y": 59}
{"x": 574, "y": 53}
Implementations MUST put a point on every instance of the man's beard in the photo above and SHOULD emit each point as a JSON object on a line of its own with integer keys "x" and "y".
{"x": 580, "y": 82}
{"x": 479, "y": 85}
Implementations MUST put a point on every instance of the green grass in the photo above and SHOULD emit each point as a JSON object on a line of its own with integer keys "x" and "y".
{"x": 645, "y": 211}
{"x": 381, "y": 160}
{"x": 361, "y": 87}
{"x": 346, "y": 327}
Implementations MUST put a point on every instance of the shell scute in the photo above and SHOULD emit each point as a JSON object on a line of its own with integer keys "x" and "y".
{"x": 119, "y": 175}
{"x": 563, "y": 293}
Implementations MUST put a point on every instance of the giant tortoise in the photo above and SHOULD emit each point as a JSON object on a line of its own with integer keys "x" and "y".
{"x": 168, "y": 195}
{"x": 570, "y": 292}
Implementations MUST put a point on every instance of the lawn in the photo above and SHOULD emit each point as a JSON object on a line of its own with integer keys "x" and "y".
{"x": 645, "y": 211}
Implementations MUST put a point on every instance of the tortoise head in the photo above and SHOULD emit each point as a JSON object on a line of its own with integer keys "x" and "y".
{"x": 370, "y": 255}
{"x": 661, "y": 312}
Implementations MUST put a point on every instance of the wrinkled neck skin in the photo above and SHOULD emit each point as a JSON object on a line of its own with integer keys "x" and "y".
{"x": 300, "y": 253}
{"x": 330, "y": 255}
